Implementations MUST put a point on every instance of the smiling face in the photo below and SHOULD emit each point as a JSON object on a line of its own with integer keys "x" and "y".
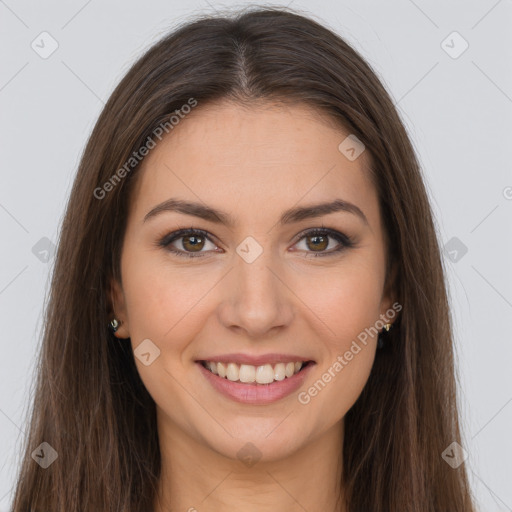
{"x": 259, "y": 287}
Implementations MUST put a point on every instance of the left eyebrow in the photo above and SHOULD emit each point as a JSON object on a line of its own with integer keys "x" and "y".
{"x": 290, "y": 216}
{"x": 318, "y": 210}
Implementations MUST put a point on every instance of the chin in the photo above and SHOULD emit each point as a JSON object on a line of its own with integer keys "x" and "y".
{"x": 262, "y": 439}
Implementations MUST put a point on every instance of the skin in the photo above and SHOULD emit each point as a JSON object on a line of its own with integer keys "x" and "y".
{"x": 254, "y": 163}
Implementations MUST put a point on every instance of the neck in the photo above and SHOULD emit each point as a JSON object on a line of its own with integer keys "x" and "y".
{"x": 196, "y": 478}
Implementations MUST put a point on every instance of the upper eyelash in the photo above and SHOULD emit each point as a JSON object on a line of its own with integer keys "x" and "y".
{"x": 344, "y": 240}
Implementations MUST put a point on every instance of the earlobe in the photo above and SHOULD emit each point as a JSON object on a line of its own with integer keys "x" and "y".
{"x": 118, "y": 319}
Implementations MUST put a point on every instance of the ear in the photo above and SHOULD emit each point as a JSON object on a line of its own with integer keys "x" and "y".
{"x": 389, "y": 293}
{"x": 118, "y": 309}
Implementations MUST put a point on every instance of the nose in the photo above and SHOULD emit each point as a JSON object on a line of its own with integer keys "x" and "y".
{"x": 257, "y": 300}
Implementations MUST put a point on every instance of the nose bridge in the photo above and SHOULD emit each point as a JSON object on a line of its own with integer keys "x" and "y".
{"x": 256, "y": 279}
{"x": 257, "y": 300}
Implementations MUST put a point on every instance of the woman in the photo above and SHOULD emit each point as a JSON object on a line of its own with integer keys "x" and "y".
{"x": 248, "y": 309}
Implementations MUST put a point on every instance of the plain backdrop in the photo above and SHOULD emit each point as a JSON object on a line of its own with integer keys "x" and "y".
{"x": 446, "y": 64}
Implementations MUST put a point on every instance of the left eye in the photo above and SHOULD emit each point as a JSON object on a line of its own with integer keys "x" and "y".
{"x": 194, "y": 240}
{"x": 319, "y": 241}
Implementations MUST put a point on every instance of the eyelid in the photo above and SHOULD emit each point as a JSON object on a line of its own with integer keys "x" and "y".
{"x": 333, "y": 233}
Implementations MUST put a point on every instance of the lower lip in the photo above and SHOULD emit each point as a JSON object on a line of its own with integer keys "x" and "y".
{"x": 257, "y": 394}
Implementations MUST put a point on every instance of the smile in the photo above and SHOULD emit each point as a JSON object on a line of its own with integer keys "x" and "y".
{"x": 255, "y": 384}
{"x": 250, "y": 374}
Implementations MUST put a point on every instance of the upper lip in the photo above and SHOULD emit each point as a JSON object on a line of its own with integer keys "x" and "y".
{"x": 255, "y": 360}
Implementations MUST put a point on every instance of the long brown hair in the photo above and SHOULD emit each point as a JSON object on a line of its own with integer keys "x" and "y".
{"x": 90, "y": 404}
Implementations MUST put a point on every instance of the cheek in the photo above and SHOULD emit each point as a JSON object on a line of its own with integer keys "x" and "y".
{"x": 161, "y": 300}
{"x": 349, "y": 309}
{"x": 164, "y": 306}
{"x": 347, "y": 301}
{"x": 349, "y": 304}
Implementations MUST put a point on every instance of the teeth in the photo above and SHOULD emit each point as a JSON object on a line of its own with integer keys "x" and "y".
{"x": 265, "y": 374}
{"x": 247, "y": 373}
{"x": 233, "y": 372}
{"x": 279, "y": 371}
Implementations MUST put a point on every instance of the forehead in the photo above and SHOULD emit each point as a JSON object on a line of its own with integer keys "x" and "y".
{"x": 261, "y": 158}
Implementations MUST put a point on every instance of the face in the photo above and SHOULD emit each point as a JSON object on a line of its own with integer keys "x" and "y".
{"x": 255, "y": 287}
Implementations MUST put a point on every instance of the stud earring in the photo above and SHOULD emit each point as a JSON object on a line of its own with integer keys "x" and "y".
{"x": 381, "y": 340}
{"x": 114, "y": 324}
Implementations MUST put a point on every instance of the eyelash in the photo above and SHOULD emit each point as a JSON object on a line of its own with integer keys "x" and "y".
{"x": 345, "y": 241}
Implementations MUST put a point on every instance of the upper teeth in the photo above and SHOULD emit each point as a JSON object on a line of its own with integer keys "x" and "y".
{"x": 264, "y": 374}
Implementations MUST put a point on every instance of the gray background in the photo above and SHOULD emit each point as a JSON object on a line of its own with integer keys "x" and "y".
{"x": 458, "y": 112}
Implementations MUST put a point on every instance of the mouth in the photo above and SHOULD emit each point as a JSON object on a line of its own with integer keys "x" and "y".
{"x": 255, "y": 375}
{"x": 256, "y": 384}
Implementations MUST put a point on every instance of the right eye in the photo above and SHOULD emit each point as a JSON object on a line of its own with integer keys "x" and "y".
{"x": 192, "y": 240}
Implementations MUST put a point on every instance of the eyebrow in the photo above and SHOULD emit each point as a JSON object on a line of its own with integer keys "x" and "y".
{"x": 290, "y": 216}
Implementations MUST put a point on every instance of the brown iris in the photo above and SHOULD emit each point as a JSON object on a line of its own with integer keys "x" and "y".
{"x": 318, "y": 245}
{"x": 193, "y": 241}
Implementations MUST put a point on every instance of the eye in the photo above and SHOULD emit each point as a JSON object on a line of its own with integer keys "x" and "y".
{"x": 319, "y": 241}
{"x": 189, "y": 242}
